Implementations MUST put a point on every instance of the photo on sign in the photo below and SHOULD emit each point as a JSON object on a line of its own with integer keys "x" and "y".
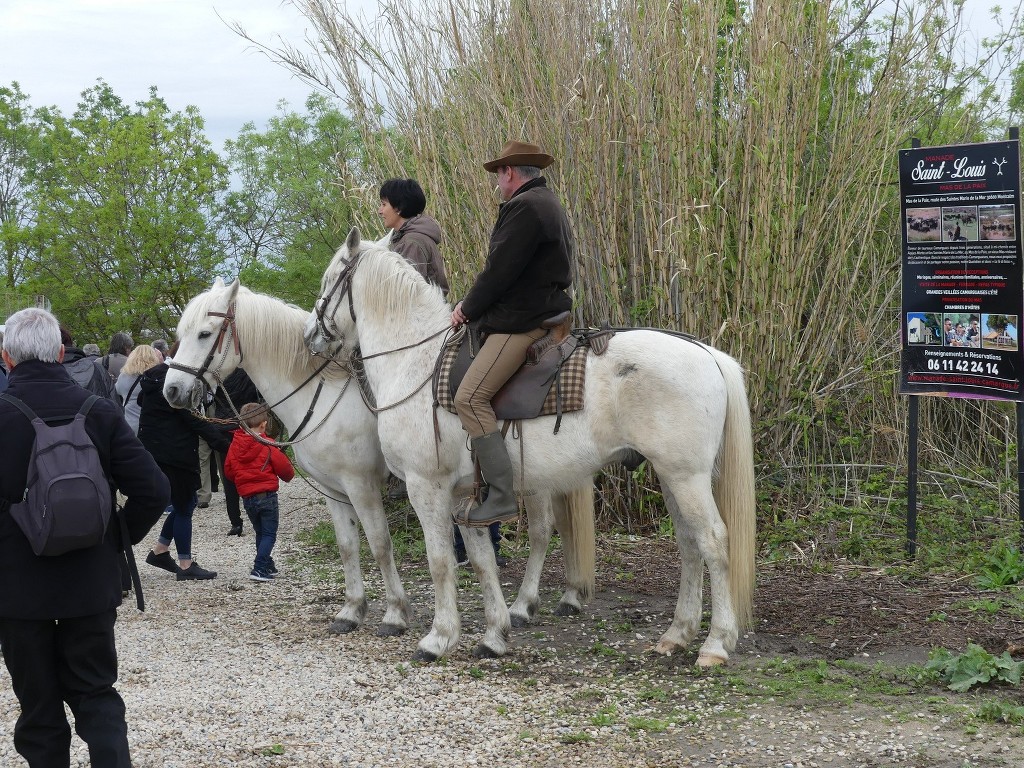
{"x": 923, "y": 225}
{"x": 961, "y": 330}
{"x": 999, "y": 332}
{"x": 924, "y": 328}
{"x": 997, "y": 222}
{"x": 959, "y": 223}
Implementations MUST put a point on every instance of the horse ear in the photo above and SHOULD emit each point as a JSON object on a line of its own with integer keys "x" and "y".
{"x": 233, "y": 290}
{"x": 218, "y": 283}
{"x": 352, "y": 241}
{"x": 385, "y": 242}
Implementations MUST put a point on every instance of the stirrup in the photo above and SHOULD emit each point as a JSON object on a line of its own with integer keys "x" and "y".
{"x": 461, "y": 517}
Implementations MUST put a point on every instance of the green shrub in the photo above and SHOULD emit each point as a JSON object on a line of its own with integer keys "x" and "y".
{"x": 1001, "y": 567}
{"x": 975, "y": 666}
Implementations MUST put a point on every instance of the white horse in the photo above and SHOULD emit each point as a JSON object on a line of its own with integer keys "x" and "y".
{"x": 338, "y": 444}
{"x": 679, "y": 403}
{"x": 232, "y": 327}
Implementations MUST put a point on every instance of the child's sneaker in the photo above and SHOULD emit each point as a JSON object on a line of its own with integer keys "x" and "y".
{"x": 260, "y": 576}
{"x": 272, "y": 568}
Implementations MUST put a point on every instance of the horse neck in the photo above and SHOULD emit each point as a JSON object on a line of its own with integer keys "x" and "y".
{"x": 278, "y": 381}
{"x": 388, "y": 324}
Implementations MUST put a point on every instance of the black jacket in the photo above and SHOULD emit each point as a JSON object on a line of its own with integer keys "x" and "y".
{"x": 528, "y": 265}
{"x": 172, "y": 434}
{"x": 86, "y": 581}
{"x": 239, "y": 387}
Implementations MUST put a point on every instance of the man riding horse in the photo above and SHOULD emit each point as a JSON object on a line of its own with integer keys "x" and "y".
{"x": 523, "y": 283}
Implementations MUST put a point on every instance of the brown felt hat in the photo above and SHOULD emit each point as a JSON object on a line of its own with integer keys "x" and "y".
{"x": 519, "y": 153}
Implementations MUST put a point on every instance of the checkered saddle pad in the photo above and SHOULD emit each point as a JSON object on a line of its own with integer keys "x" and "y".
{"x": 551, "y": 386}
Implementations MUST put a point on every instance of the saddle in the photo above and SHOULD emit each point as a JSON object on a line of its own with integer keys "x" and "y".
{"x": 550, "y": 382}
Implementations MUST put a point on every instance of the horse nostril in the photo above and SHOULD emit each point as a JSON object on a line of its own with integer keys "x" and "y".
{"x": 172, "y": 393}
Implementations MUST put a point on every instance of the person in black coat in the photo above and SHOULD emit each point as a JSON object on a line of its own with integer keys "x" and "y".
{"x": 524, "y": 282}
{"x": 86, "y": 369}
{"x": 57, "y": 613}
{"x": 240, "y": 389}
{"x": 172, "y": 435}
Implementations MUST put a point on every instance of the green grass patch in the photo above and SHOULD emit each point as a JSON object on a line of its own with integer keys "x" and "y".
{"x": 649, "y": 724}
{"x": 962, "y": 527}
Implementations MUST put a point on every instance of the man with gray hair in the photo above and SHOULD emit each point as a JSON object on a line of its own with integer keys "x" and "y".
{"x": 524, "y": 283}
{"x": 57, "y": 612}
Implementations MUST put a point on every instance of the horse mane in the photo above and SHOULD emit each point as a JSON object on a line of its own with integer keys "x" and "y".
{"x": 408, "y": 294}
{"x": 269, "y": 329}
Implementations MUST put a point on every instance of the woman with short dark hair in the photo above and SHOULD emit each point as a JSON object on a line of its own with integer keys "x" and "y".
{"x": 415, "y": 236}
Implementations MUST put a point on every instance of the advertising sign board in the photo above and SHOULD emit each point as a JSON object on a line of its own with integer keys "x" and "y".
{"x": 963, "y": 283}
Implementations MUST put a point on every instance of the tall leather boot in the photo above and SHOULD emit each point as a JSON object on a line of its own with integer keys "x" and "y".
{"x": 501, "y": 503}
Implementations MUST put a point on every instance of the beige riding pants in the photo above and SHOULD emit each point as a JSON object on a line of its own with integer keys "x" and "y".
{"x": 500, "y": 357}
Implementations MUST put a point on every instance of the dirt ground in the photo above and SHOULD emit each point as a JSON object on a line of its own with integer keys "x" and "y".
{"x": 848, "y": 613}
{"x": 844, "y": 613}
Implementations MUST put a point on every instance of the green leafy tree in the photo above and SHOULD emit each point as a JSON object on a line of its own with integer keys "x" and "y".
{"x": 19, "y": 134}
{"x": 126, "y": 199}
{"x": 288, "y": 215}
{"x": 998, "y": 323}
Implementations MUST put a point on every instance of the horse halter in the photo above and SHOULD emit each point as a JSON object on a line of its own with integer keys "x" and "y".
{"x": 342, "y": 285}
{"x": 228, "y": 324}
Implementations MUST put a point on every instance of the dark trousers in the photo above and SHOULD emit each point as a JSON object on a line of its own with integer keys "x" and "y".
{"x": 230, "y": 494}
{"x": 73, "y": 661}
{"x": 494, "y": 529}
{"x": 263, "y": 513}
{"x": 177, "y": 526}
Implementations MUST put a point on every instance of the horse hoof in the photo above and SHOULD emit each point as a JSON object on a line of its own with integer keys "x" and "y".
{"x": 483, "y": 652}
{"x": 706, "y": 660}
{"x": 425, "y": 656}
{"x": 390, "y": 630}
{"x": 519, "y": 622}
{"x": 664, "y": 649}
{"x": 342, "y": 627}
{"x": 567, "y": 609}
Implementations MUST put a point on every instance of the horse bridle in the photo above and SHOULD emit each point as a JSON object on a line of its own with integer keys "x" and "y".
{"x": 342, "y": 285}
{"x": 227, "y": 325}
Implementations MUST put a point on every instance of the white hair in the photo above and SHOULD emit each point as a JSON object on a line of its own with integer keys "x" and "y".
{"x": 32, "y": 334}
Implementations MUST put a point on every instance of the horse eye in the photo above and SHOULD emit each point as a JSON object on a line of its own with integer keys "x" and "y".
{"x": 205, "y": 334}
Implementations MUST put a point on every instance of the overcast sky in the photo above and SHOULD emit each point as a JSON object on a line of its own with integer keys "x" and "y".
{"x": 55, "y": 49}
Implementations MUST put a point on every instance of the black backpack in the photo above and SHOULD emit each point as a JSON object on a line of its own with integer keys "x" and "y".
{"x": 65, "y": 507}
{"x": 67, "y": 502}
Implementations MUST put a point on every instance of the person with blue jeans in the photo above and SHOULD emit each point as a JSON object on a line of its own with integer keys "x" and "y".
{"x": 254, "y": 465}
{"x": 171, "y": 435}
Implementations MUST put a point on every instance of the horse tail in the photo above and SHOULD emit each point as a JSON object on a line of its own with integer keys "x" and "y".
{"x": 734, "y": 490}
{"x": 578, "y": 541}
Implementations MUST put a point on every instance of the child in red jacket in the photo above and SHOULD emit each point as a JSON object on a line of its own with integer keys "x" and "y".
{"x": 254, "y": 468}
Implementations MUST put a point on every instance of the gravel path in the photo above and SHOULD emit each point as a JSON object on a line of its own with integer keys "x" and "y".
{"x": 235, "y": 673}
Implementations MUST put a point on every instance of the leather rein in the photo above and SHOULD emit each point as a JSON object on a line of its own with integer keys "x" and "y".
{"x": 342, "y": 286}
{"x": 228, "y": 327}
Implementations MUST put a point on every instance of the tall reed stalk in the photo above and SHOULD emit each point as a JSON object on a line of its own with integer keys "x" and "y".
{"x": 729, "y": 168}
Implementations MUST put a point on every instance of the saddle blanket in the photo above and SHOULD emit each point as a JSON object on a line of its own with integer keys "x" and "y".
{"x": 570, "y": 378}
